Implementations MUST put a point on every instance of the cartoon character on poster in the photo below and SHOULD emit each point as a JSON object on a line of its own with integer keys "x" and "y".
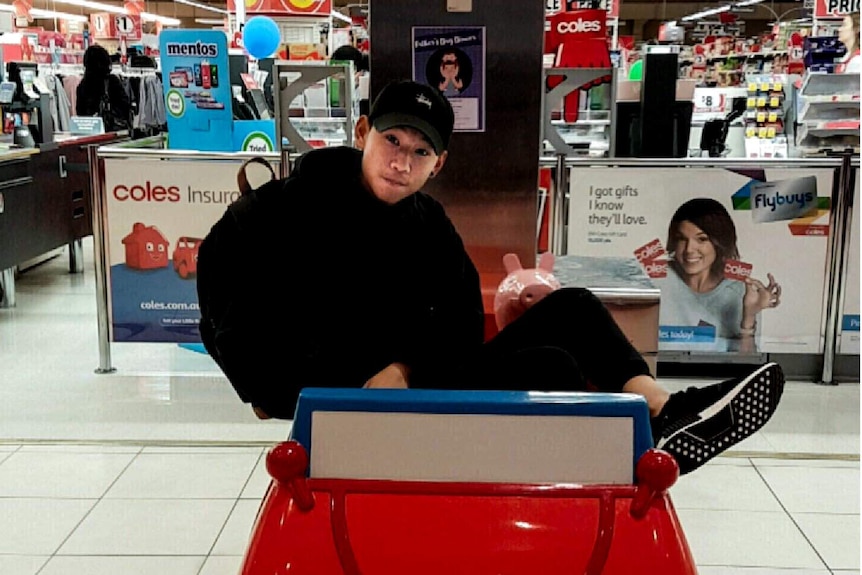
{"x": 452, "y": 59}
{"x": 450, "y": 70}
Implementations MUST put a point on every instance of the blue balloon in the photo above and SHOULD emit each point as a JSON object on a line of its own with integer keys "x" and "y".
{"x": 261, "y": 37}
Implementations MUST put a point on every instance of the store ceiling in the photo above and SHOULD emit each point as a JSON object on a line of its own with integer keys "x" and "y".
{"x": 629, "y": 10}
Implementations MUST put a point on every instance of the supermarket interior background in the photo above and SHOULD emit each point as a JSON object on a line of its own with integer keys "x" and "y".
{"x": 581, "y": 126}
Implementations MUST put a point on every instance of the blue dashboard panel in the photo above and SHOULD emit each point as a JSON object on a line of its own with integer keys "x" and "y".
{"x": 587, "y": 404}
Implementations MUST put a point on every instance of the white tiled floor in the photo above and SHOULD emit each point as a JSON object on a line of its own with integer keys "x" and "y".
{"x": 158, "y": 468}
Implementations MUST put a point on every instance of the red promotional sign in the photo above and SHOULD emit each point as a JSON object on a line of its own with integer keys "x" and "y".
{"x": 128, "y": 27}
{"x": 835, "y": 8}
{"x": 579, "y": 40}
{"x": 102, "y": 26}
{"x": 319, "y": 8}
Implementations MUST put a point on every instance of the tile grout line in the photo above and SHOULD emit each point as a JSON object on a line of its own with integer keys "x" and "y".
{"x": 89, "y": 511}
{"x": 790, "y": 516}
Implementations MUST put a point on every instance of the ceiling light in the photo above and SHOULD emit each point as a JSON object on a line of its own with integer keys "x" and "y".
{"x": 94, "y": 6}
{"x": 117, "y": 10}
{"x": 705, "y": 13}
{"x": 202, "y": 6}
{"x": 335, "y": 14}
{"x": 146, "y": 16}
{"x": 37, "y": 13}
{"x": 748, "y": 2}
{"x": 210, "y": 21}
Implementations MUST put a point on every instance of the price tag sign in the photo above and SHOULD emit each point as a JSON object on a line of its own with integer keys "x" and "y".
{"x": 764, "y": 87}
{"x": 761, "y": 117}
{"x": 709, "y": 101}
{"x": 750, "y": 132}
{"x": 773, "y": 117}
{"x": 778, "y": 87}
{"x": 770, "y": 132}
{"x": 751, "y": 103}
{"x": 752, "y": 87}
{"x": 761, "y": 102}
{"x": 762, "y": 132}
{"x": 773, "y": 102}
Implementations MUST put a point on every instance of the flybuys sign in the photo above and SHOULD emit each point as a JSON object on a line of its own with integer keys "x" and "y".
{"x": 783, "y": 200}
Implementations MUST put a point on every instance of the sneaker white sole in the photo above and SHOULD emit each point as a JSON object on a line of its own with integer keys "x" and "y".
{"x": 751, "y": 402}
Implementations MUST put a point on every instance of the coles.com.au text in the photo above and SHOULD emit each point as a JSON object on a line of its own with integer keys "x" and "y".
{"x": 169, "y": 306}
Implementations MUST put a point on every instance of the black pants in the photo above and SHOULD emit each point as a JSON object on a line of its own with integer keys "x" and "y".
{"x": 566, "y": 342}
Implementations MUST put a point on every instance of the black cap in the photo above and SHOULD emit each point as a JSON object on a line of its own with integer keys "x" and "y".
{"x": 406, "y": 103}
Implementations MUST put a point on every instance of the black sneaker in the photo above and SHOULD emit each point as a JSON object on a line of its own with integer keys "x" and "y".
{"x": 697, "y": 424}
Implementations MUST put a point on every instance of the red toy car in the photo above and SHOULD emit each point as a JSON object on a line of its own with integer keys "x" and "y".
{"x": 185, "y": 256}
{"x": 428, "y": 482}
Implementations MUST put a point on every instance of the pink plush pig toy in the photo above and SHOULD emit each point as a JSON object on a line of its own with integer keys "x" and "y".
{"x": 522, "y": 288}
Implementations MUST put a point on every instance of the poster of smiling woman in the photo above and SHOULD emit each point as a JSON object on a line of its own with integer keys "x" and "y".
{"x": 739, "y": 255}
{"x": 452, "y": 59}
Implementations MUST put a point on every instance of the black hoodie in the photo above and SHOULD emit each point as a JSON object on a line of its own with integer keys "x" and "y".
{"x": 342, "y": 284}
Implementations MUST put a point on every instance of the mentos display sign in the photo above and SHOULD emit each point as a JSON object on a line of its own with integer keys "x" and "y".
{"x": 197, "y": 89}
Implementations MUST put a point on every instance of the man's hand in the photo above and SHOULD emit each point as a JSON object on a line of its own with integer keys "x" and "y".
{"x": 261, "y": 414}
{"x": 393, "y": 376}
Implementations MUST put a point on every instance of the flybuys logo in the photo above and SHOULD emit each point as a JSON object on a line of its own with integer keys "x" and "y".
{"x": 189, "y": 49}
{"x": 777, "y": 200}
{"x": 783, "y": 199}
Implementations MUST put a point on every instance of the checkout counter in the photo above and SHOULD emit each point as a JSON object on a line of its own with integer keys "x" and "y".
{"x": 44, "y": 191}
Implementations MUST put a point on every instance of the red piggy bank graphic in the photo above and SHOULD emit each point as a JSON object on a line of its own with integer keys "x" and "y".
{"x": 523, "y": 288}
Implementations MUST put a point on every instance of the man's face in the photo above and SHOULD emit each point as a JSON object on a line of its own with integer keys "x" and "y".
{"x": 395, "y": 163}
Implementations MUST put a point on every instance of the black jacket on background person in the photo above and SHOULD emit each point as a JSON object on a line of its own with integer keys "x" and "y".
{"x": 336, "y": 285}
{"x": 90, "y": 92}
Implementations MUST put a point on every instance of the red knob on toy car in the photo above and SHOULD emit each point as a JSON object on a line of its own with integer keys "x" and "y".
{"x": 287, "y": 463}
{"x": 656, "y": 472}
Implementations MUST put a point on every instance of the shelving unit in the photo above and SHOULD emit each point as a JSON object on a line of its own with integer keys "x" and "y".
{"x": 592, "y": 133}
{"x": 829, "y": 118}
{"x": 316, "y": 105}
{"x": 766, "y": 117}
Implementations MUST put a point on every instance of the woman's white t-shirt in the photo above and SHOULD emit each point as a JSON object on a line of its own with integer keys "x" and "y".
{"x": 720, "y": 307}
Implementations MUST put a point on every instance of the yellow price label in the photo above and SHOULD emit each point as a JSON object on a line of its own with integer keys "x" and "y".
{"x": 773, "y": 103}
{"x": 773, "y": 117}
{"x": 761, "y": 102}
{"x": 770, "y": 133}
{"x": 764, "y": 87}
{"x": 761, "y": 116}
{"x": 750, "y": 132}
{"x": 752, "y": 102}
{"x": 778, "y": 87}
{"x": 762, "y": 132}
{"x": 752, "y": 87}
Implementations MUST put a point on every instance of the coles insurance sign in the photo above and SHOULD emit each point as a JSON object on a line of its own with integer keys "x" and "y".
{"x": 157, "y": 213}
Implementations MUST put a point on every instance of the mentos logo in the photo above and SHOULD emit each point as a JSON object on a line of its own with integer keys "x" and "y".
{"x": 579, "y": 26}
{"x": 146, "y": 192}
{"x": 192, "y": 49}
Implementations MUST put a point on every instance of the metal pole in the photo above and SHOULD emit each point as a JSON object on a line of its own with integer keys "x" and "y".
{"x": 839, "y": 234}
{"x": 559, "y": 208}
{"x": 7, "y": 287}
{"x": 76, "y": 256}
{"x": 99, "y": 204}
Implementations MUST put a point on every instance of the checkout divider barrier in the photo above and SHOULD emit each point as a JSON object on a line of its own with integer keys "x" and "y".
{"x": 151, "y": 208}
{"x": 794, "y": 219}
